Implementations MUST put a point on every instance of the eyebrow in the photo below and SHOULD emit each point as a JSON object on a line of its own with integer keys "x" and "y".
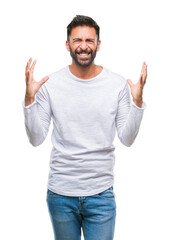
{"x": 79, "y": 39}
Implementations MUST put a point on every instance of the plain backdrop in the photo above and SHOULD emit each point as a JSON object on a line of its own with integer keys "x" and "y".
{"x": 132, "y": 31}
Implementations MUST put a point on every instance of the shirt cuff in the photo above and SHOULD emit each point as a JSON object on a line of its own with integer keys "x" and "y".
{"x": 23, "y": 104}
{"x": 143, "y": 106}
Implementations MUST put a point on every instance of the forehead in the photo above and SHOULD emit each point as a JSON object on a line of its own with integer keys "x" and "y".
{"x": 83, "y": 32}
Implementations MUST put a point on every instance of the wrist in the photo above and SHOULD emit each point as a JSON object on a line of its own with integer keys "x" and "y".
{"x": 138, "y": 102}
{"x": 29, "y": 100}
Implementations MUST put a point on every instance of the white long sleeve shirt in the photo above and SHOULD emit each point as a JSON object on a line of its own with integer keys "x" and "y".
{"x": 85, "y": 114}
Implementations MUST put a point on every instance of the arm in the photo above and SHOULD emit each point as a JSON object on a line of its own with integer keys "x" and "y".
{"x": 37, "y": 111}
{"x": 128, "y": 118}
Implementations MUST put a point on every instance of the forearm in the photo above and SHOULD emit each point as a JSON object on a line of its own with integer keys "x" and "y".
{"x": 132, "y": 124}
{"x": 130, "y": 128}
{"x": 37, "y": 113}
{"x": 33, "y": 125}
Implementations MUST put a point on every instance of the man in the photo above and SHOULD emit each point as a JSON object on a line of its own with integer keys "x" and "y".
{"x": 87, "y": 103}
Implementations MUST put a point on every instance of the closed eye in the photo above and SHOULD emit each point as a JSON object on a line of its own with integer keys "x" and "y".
{"x": 77, "y": 40}
{"x": 90, "y": 40}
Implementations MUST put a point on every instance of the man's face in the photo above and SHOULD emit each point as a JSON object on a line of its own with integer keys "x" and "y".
{"x": 83, "y": 45}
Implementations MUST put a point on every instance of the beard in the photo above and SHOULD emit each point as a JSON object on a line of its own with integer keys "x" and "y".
{"x": 83, "y": 62}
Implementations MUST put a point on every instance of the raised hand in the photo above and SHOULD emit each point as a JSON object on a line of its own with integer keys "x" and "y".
{"x": 32, "y": 86}
{"x": 137, "y": 89}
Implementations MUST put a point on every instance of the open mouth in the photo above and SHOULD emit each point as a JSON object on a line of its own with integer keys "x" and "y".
{"x": 83, "y": 55}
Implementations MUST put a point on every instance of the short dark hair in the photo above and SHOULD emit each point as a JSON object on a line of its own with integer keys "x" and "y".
{"x": 81, "y": 20}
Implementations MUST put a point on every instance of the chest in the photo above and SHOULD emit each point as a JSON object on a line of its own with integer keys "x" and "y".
{"x": 84, "y": 104}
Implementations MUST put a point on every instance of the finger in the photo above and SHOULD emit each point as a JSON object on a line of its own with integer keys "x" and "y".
{"x": 130, "y": 83}
{"x": 144, "y": 73}
{"x": 27, "y": 67}
{"x": 43, "y": 81}
{"x": 33, "y": 66}
{"x": 141, "y": 78}
{"x": 30, "y": 71}
{"x": 28, "y": 63}
{"x": 142, "y": 69}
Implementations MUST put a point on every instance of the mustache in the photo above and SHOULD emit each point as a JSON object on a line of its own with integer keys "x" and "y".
{"x": 83, "y": 51}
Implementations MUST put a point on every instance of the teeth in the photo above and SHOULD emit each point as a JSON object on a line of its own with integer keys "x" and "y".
{"x": 83, "y": 54}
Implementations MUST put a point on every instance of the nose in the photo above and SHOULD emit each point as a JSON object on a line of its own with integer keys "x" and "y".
{"x": 83, "y": 45}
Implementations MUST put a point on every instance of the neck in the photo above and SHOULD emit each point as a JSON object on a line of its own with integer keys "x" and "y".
{"x": 85, "y": 72}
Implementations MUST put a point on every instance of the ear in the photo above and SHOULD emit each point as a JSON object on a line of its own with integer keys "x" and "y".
{"x": 98, "y": 45}
{"x": 67, "y": 46}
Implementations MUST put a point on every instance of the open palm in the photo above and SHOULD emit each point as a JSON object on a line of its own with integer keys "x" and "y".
{"x": 32, "y": 86}
{"x": 137, "y": 89}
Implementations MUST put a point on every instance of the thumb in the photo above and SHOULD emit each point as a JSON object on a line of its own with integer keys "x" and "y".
{"x": 130, "y": 83}
{"x": 43, "y": 80}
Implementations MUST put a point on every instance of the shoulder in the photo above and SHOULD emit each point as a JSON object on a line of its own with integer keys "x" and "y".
{"x": 58, "y": 74}
{"x": 115, "y": 78}
{"x": 55, "y": 78}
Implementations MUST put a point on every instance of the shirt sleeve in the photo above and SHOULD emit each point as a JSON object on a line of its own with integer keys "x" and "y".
{"x": 128, "y": 117}
{"x": 37, "y": 117}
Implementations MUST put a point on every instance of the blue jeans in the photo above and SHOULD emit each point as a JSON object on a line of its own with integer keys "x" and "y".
{"x": 94, "y": 214}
